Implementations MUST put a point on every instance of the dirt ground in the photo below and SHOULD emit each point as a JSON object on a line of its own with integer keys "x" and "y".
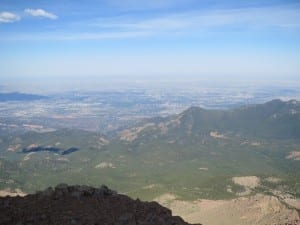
{"x": 258, "y": 209}
{"x": 294, "y": 155}
{"x": 12, "y": 193}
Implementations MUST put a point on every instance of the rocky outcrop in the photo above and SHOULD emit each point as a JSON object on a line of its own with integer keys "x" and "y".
{"x": 83, "y": 205}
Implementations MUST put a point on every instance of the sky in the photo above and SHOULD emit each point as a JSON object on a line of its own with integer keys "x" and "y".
{"x": 100, "y": 39}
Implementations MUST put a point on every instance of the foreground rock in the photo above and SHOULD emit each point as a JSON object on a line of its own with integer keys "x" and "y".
{"x": 76, "y": 205}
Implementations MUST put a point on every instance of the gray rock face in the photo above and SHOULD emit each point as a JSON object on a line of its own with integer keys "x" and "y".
{"x": 83, "y": 205}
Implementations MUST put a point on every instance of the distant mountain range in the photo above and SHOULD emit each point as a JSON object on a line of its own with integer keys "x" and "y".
{"x": 16, "y": 96}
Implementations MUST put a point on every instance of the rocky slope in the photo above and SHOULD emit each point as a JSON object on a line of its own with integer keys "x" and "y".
{"x": 256, "y": 209}
{"x": 76, "y": 205}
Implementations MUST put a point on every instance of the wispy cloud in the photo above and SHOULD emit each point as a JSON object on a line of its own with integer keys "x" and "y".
{"x": 146, "y": 4}
{"x": 90, "y": 36}
{"x": 249, "y": 18}
{"x": 8, "y": 17}
{"x": 41, "y": 13}
{"x": 189, "y": 23}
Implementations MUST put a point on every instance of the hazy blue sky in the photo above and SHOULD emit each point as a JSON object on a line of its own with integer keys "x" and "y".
{"x": 144, "y": 38}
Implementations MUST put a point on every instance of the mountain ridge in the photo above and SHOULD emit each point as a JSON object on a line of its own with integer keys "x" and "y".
{"x": 274, "y": 119}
